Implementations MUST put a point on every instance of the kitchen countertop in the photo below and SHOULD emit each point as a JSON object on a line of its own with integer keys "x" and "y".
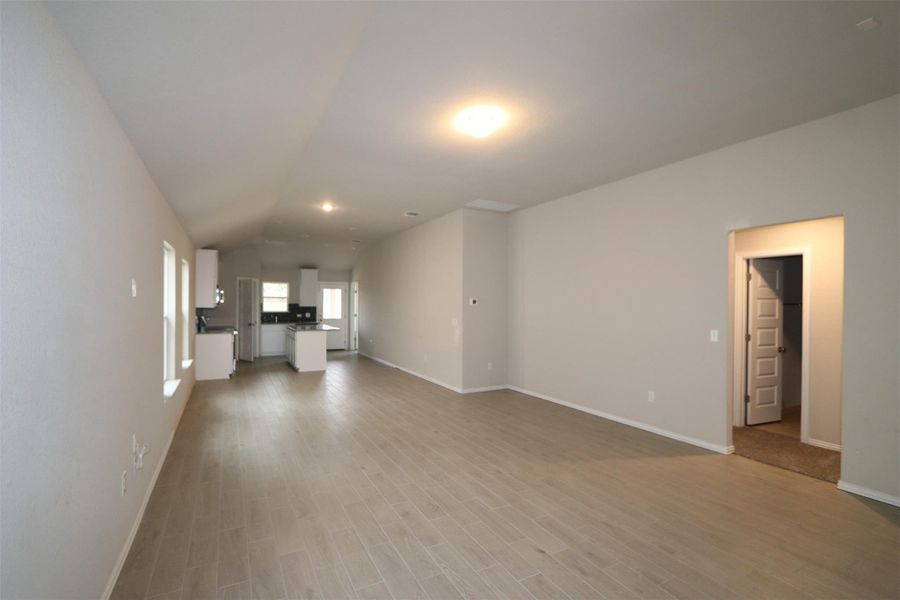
{"x": 218, "y": 329}
{"x": 312, "y": 327}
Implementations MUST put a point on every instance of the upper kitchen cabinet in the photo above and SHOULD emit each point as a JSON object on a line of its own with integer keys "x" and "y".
{"x": 207, "y": 293}
{"x": 309, "y": 287}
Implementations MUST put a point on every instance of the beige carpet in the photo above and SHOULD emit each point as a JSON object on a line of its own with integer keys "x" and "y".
{"x": 788, "y": 453}
{"x": 788, "y": 425}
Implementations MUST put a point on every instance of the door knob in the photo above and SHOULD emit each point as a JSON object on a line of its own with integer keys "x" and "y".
{"x": 781, "y": 349}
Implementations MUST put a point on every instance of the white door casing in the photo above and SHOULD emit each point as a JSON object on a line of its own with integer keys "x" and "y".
{"x": 336, "y": 340}
{"x": 765, "y": 325}
{"x": 354, "y": 315}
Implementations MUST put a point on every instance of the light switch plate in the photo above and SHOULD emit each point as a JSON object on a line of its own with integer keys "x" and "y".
{"x": 714, "y": 335}
{"x": 133, "y": 288}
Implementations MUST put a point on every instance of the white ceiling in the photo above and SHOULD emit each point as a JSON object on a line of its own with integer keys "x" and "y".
{"x": 250, "y": 114}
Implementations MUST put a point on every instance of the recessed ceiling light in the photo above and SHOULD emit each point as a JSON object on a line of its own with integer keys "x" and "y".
{"x": 411, "y": 214}
{"x": 867, "y": 24}
{"x": 480, "y": 121}
{"x": 328, "y": 207}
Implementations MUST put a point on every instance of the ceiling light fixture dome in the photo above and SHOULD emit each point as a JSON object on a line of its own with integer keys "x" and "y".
{"x": 328, "y": 207}
{"x": 480, "y": 121}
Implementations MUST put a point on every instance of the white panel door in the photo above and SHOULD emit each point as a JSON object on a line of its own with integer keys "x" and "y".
{"x": 248, "y": 290}
{"x": 333, "y": 310}
{"x": 765, "y": 324}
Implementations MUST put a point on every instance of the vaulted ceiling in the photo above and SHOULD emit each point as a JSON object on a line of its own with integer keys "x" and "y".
{"x": 250, "y": 114}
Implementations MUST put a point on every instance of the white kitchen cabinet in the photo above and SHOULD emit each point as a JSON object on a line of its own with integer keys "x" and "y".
{"x": 206, "y": 269}
{"x": 309, "y": 287}
{"x": 289, "y": 339}
{"x": 271, "y": 339}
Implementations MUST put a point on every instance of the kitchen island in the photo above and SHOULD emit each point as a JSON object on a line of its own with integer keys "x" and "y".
{"x": 305, "y": 346}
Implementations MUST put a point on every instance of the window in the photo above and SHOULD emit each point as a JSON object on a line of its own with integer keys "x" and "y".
{"x": 168, "y": 312}
{"x": 275, "y": 296}
{"x": 332, "y": 303}
{"x": 185, "y": 313}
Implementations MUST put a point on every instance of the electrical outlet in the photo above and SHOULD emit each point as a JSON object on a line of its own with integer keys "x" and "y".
{"x": 714, "y": 335}
{"x": 490, "y": 366}
{"x": 138, "y": 451}
{"x": 651, "y": 396}
{"x": 124, "y": 481}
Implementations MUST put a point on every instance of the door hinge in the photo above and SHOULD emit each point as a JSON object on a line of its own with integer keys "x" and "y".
{"x": 747, "y": 338}
{"x": 749, "y": 276}
{"x": 747, "y": 399}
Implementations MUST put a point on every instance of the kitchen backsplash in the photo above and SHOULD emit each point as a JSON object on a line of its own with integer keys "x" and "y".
{"x": 295, "y": 314}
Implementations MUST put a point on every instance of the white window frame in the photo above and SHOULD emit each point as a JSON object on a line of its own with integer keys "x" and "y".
{"x": 186, "y": 360}
{"x": 287, "y": 295}
{"x": 170, "y": 383}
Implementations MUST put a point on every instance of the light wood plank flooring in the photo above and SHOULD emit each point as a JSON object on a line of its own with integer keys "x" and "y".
{"x": 366, "y": 482}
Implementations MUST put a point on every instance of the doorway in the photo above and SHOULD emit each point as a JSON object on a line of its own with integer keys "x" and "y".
{"x": 333, "y": 301}
{"x": 248, "y": 318}
{"x": 773, "y": 334}
{"x": 785, "y": 376}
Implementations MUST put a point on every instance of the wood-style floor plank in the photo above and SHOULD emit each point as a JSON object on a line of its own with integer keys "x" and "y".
{"x": 366, "y": 482}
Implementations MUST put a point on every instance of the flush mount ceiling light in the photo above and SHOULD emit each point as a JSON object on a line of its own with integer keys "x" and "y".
{"x": 480, "y": 121}
{"x": 328, "y": 206}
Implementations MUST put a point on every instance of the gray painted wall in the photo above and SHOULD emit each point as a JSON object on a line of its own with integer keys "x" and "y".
{"x": 485, "y": 270}
{"x": 81, "y": 359}
{"x": 643, "y": 265}
{"x": 410, "y": 299}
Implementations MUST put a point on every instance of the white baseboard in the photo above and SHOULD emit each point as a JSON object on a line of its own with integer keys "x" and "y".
{"x": 868, "y": 493}
{"x": 489, "y": 388}
{"x": 826, "y": 445}
{"x": 631, "y": 423}
{"x": 413, "y": 373}
{"x": 137, "y": 521}
{"x": 599, "y": 413}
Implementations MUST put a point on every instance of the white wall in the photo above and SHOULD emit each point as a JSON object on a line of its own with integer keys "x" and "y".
{"x": 410, "y": 299}
{"x": 335, "y": 275}
{"x": 81, "y": 359}
{"x": 636, "y": 273}
{"x": 485, "y": 269}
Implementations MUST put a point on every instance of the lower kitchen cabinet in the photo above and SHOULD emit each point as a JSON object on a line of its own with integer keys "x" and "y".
{"x": 271, "y": 339}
